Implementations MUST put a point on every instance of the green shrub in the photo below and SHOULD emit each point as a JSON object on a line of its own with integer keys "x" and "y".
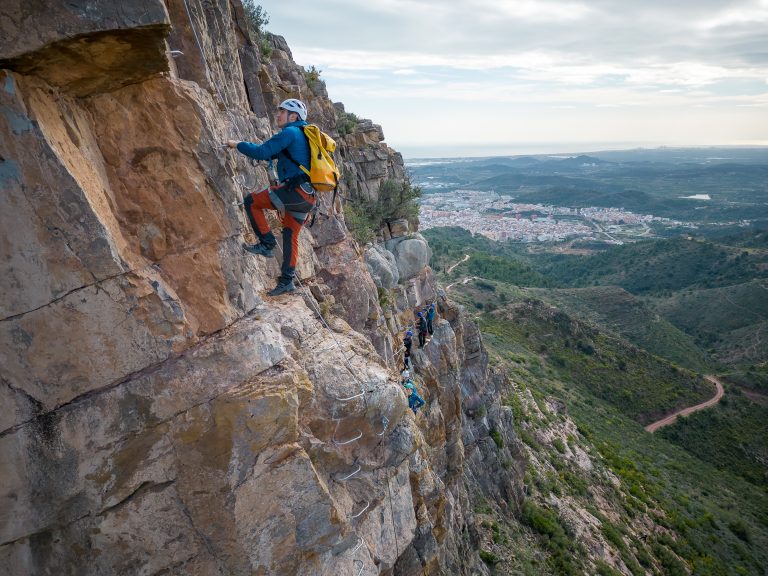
{"x": 613, "y": 535}
{"x": 559, "y": 446}
{"x": 546, "y": 523}
{"x": 489, "y": 558}
{"x": 497, "y": 538}
{"x": 384, "y": 297}
{"x": 358, "y": 223}
{"x": 346, "y": 123}
{"x": 396, "y": 200}
{"x": 740, "y": 530}
{"x": 496, "y": 435}
{"x": 604, "y": 570}
{"x": 530, "y": 440}
{"x": 312, "y": 78}
{"x": 257, "y": 20}
{"x": 671, "y": 564}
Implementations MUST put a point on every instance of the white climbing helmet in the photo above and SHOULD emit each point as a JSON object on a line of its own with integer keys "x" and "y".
{"x": 293, "y": 105}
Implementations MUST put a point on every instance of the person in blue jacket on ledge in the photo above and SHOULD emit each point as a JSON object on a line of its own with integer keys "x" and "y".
{"x": 414, "y": 400}
{"x": 430, "y": 310}
{"x": 293, "y": 196}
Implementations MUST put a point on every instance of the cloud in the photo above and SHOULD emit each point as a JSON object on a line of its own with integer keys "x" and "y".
{"x": 342, "y": 74}
{"x": 534, "y": 10}
{"x": 565, "y": 59}
{"x": 552, "y": 67}
{"x": 749, "y": 14}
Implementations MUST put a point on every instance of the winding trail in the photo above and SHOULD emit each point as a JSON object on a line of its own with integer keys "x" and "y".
{"x": 466, "y": 257}
{"x": 463, "y": 281}
{"x": 666, "y": 421}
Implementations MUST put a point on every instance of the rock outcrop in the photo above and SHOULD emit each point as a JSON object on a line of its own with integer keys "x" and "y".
{"x": 161, "y": 414}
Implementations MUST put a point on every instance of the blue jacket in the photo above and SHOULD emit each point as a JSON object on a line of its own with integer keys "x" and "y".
{"x": 290, "y": 138}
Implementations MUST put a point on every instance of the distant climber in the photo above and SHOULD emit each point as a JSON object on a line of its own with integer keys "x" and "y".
{"x": 430, "y": 317}
{"x": 407, "y": 343}
{"x": 292, "y": 196}
{"x": 414, "y": 400}
{"x": 421, "y": 324}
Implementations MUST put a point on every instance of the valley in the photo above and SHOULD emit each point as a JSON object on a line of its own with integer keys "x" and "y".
{"x": 659, "y": 283}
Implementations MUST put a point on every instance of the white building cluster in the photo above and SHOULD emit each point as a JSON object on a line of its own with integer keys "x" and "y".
{"x": 501, "y": 218}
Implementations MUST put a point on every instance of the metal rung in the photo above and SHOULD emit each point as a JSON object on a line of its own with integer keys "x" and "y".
{"x": 354, "y": 562}
{"x": 351, "y": 397}
{"x": 240, "y": 180}
{"x": 385, "y": 423}
{"x": 359, "y": 435}
{"x": 359, "y": 544}
{"x": 350, "y": 475}
{"x": 367, "y": 504}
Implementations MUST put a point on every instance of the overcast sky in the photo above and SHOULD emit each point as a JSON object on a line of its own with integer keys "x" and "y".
{"x": 482, "y": 77}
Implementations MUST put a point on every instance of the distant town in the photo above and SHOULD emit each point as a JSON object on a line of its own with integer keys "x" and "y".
{"x": 501, "y": 218}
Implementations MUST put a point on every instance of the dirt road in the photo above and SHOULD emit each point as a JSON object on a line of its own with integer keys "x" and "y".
{"x": 691, "y": 409}
{"x": 464, "y": 281}
{"x": 466, "y": 257}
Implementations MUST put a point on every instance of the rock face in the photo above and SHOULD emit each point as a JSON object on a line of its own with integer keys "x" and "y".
{"x": 382, "y": 266}
{"x": 160, "y": 414}
{"x": 412, "y": 255}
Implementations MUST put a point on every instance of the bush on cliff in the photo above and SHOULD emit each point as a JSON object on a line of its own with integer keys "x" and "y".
{"x": 396, "y": 200}
{"x": 258, "y": 20}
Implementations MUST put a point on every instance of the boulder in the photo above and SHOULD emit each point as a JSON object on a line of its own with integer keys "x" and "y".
{"x": 382, "y": 266}
{"x": 412, "y": 255}
{"x": 398, "y": 228}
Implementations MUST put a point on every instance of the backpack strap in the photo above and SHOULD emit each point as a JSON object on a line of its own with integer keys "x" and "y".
{"x": 292, "y": 159}
{"x": 314, "y": 210}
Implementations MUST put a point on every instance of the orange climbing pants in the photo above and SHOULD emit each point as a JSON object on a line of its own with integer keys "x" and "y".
{"x": 294, "y": 202}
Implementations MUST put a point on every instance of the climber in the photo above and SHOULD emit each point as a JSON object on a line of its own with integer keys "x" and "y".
{"x": 292, "y": 196}
{"x": 405, "y": 375}
{"x": 414, "y": 400}
{"x": 430, "y": 317}
{"x": 421, "y": 322}
{"x": 407, "y": 343}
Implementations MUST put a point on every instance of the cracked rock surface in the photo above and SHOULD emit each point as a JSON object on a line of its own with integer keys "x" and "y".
{"x": 161, "y": 414}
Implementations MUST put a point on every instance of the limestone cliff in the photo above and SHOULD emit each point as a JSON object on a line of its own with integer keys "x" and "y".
{"x": 161, "y": 415}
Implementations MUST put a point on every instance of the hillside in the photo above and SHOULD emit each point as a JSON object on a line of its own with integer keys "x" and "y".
{"x": 658, "y": 266}
{"x": 734, "y": 327}
{"x": 605, "y": 497}
{"x": 640, "y": 385}
{"x": 730, "y": 437}
{"x": 569, "y": 350}
{"x": 620, "y": 312}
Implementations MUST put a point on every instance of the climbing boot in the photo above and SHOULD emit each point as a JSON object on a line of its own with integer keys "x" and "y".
{"x": 260, "y": 250}
{"x": 282, "y": 288}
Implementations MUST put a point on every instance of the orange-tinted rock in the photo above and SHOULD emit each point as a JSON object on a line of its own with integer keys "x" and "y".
{"x": 164, "y": 414}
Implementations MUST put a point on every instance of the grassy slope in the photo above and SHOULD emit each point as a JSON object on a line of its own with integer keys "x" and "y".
{"x": 717, "y": 523}
{"x": 731, "y": 321}
{"x": 659, "y": 266}
{"x": 643, "y": 386}
{"x": 731, "y": 436}
{"x": 619, "y": 311}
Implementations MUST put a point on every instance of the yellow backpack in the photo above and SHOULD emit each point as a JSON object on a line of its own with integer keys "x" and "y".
{"x": 323, "y": 173}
